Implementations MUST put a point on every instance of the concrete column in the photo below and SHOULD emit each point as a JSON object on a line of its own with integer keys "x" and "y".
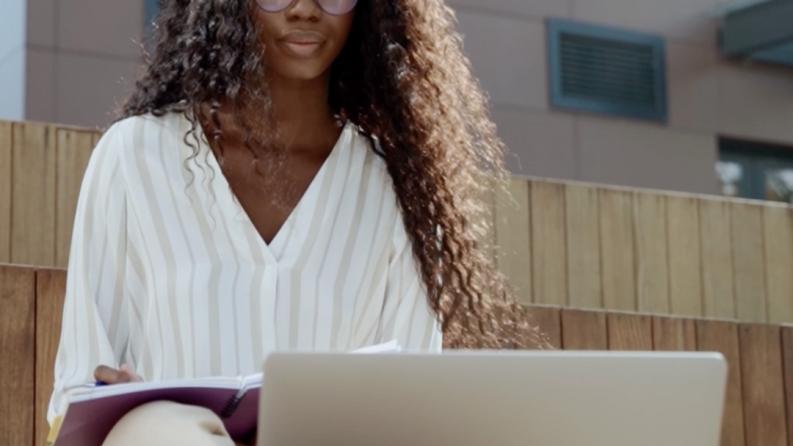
{"x": 12, "y": 59}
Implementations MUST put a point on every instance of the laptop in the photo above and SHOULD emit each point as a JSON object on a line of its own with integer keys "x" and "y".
{"x": 559, "y": 398}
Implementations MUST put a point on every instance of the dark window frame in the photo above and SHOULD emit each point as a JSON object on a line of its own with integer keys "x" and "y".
{"x": 755, "y": 158}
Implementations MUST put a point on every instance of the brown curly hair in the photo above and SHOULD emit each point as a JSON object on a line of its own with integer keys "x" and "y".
{"x": 404, "y": 80}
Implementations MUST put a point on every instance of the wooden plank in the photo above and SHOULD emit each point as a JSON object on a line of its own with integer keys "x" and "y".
{"x": 549, "y": 321}
{"x": 749, "y": 262}
{"x": 583, "y": 247}
{"x": 513, "y": 237}
{"x": 630, "y": 332}
{"x": 763, "y": 385}
{"x": 674, "y": 334}
{"x": 33, "y": 196}
{"x": 72, "y": 154}
{"x": 685, "y": 259}
{"x": 787, "y": 362}
{"x": 617, "y": 253}
{"x": 652, "y": 274}
{"x": 50, "y": 290}
{"x": 485, "y": 218}
{"x": 549, "y": 276}
{"x": 717, "y": 271}
{"x": 17, "y": 344}
{"x": 6, "y": 179}
{"x": 718, "y": 336}
{"x": 584, "y": 330}
{"x": 778, "y": 236}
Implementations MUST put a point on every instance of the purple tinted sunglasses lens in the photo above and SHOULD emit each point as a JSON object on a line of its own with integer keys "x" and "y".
{"x": 337, "y": 7}
{"x": 333, "y": 7}
{"x": 273, "y": 5}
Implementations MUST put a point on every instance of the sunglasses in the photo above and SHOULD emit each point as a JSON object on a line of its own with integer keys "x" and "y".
{"x": 332, "y": 7}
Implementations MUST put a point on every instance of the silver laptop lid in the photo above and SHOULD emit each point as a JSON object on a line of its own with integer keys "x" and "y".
{"x": 563, "y": 398}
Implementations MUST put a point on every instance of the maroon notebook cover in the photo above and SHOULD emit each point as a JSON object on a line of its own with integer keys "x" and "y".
{"x": 87, "y": 423}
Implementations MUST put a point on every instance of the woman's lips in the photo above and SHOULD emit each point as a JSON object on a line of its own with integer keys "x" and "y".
{"x": 301, "y": 49}
{"x": 302, "y": 43}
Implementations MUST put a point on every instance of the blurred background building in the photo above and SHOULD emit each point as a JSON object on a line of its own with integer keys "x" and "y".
{"x": 689, "y": 95}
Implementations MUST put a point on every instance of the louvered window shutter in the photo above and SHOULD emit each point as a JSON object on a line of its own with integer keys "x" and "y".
{"x": 603, "y": 70}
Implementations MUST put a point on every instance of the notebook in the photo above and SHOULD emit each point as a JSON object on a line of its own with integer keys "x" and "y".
{"x": 94, "y": 410}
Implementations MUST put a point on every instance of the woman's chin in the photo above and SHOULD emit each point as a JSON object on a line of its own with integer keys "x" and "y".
{"x": 300, "y": 70}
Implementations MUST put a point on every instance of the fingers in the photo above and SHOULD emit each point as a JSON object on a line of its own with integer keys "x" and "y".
{"x": 107, "y": 375}
{"x": 110, "y": 375}
{"x": 133, "y": 377}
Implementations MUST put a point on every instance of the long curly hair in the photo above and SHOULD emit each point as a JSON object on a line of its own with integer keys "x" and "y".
{"x": 404, "y": 80}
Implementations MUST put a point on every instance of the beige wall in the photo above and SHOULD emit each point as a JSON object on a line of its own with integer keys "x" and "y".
{"x": 708, "y": 96}
{"x": 82, "y": 55}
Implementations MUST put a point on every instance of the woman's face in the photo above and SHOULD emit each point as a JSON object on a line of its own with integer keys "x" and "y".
{"x": 301, "y": 41}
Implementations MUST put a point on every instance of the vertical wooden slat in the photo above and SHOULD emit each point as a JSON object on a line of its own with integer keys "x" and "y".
{"x": 513, "y": 238}
{"x": 583, "y": 247}
{"x": 549, "y": 321}
{"x": 674, "y": 334}
{"x": 685, "y": 260}
{"x": 50, "y": 290}
{"x": 486, "y": 219}
{"x": 652, "y": 275}
{"x": 617, "y": 253}
{"x": 33, "y": 196}
{"x": 749, "y": 262}
{"x": 778, "y": 235}
{"x": 17, "y": 340}
{"x": 5, "y": 191}
{"x": 584, "y": 330}
{"x": 787, "y": 362}
{"x": 763, "y": 395}
{"x": 73, "y": 151}
{"x": 717, "y": 271}
{"x": 630, "y": 332}
{"x": 722, "y": 337}
{"x": 549, "y": 276}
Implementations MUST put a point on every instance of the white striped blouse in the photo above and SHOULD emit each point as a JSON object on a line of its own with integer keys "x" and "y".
{"x": 179, "y": 284}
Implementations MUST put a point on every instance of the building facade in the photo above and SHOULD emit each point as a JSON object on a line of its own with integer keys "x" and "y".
{"x": 725, "y": 124}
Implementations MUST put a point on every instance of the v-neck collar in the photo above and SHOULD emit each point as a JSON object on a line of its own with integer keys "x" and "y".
{"x": 233, "y": 210}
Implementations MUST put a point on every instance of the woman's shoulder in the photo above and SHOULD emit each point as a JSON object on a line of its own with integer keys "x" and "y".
{"x": 139, "y": 134}
{"x": 368, "y": 148}
{"x": 134, "y": 126}
{"x": 377, "y": 168}
{"x": 131, "y": 139}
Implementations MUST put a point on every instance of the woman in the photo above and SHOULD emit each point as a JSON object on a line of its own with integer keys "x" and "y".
{"x": 287, "y": 175}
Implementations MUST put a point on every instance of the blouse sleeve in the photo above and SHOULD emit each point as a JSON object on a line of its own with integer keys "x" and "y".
{"x": 407, "y": 316}
{"x": 94, "y": 329}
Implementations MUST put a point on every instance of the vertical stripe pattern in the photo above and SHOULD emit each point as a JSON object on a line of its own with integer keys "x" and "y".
{"x": 170, "y": 276}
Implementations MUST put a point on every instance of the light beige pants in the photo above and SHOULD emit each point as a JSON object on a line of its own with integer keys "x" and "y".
{"x": 164, "y": 423}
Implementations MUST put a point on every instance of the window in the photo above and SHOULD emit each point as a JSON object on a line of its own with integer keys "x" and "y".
{"x": 151, "y": 9}
{"x": 756, "y": 170}
{"x": 606, "y": 70}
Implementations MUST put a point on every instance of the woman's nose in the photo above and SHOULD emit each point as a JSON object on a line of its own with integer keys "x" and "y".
{"x": 304, "y": 9}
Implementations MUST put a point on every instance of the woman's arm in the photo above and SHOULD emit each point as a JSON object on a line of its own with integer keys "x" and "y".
{"x": 94, "y": 325}
{"x": 407, "y": 316}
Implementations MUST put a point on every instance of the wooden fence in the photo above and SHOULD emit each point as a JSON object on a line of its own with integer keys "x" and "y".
{"x": 759, "y": 407}
{"x": 41, "y": 167}
{"x": 559, "y": 243}
{"x": 587, "y": 246}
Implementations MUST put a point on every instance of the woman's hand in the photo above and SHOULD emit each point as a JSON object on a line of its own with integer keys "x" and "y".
{"x": 109, "y": 375}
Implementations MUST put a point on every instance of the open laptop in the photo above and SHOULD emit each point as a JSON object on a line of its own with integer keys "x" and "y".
{"x": 493, "y": 398}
